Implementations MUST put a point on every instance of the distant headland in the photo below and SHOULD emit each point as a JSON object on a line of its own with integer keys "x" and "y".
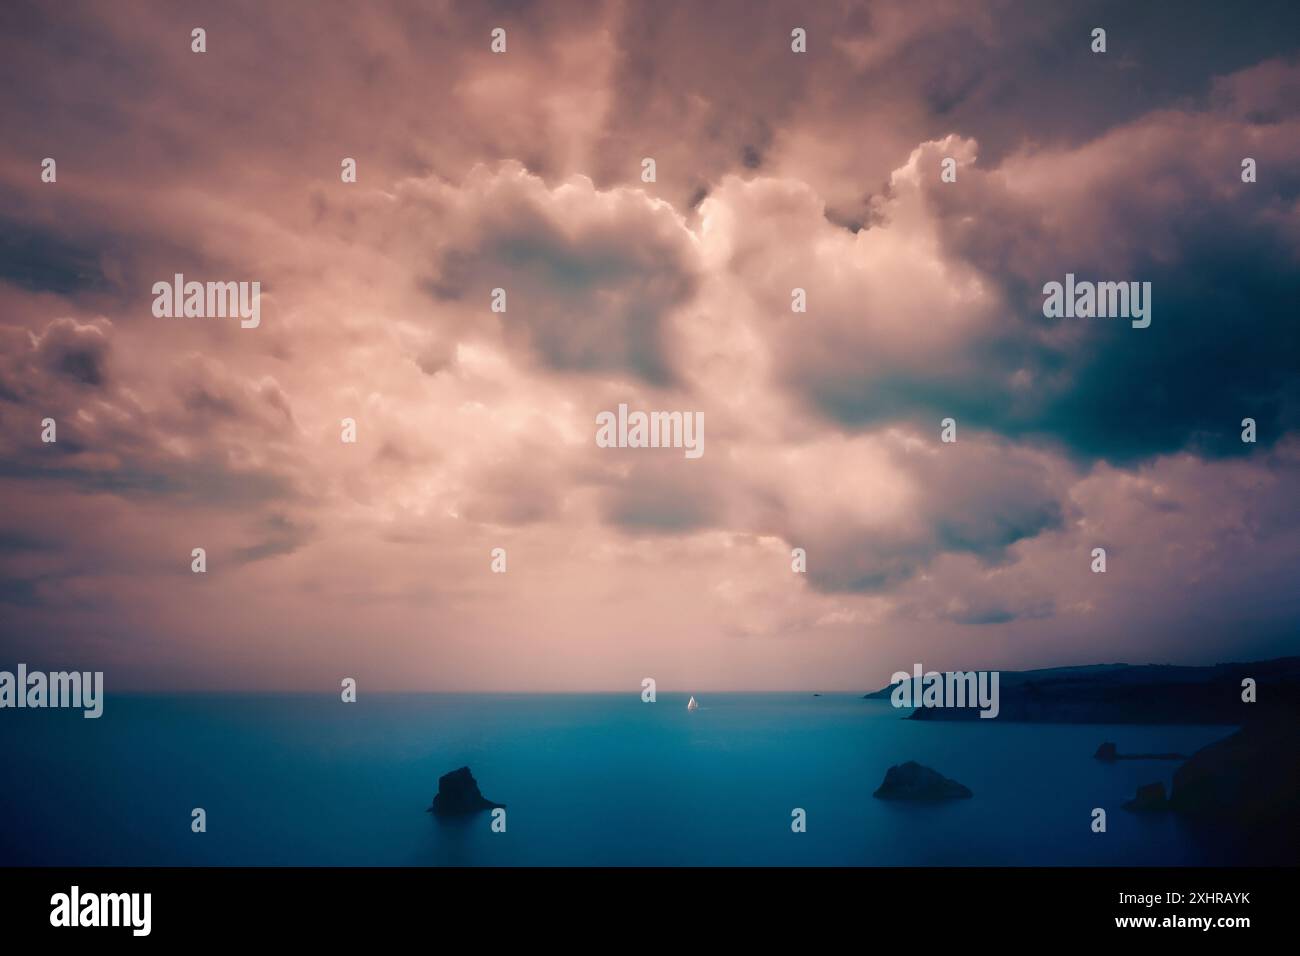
{"x": 1136, "y": 694}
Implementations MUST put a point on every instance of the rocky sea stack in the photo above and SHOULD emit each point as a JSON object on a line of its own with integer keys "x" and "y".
{"x": 458, "y": 795}
{"x": 1150, "y": 796}
{"x": 912, "y": 781}
{"x": 1107, "y": 752}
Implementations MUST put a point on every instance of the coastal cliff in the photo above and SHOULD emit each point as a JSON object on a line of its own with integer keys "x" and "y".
{"x": 1242, "y": 792}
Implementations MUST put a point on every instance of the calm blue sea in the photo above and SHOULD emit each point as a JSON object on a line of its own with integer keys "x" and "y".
{"x": 588, "y": 779}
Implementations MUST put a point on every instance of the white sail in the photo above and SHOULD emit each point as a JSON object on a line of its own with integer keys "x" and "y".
{"x": 692, "y": 705}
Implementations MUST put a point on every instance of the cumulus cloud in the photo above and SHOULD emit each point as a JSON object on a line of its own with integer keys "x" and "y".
{"x": 592, "y": 276}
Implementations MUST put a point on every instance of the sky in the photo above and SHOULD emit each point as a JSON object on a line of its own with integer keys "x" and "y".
{"x": 476, "y": 430}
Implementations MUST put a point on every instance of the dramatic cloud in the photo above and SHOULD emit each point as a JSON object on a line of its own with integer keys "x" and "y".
{"x": 475, "y": 428}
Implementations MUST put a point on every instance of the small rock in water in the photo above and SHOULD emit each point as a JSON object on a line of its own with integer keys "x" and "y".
{"x": 458, "y": 795}
{"x": 912, "y": 781}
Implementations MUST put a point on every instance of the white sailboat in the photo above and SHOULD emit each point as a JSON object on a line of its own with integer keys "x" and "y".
{"x": 691, "y": 705}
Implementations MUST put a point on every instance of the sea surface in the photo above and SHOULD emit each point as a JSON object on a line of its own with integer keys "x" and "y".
{"x": 588, "y": 779}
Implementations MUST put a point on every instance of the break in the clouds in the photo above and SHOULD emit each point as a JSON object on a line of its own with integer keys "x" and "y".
{"x": 522, "y": 172}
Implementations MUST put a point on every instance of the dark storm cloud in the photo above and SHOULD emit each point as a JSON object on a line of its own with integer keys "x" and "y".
{"x": 1221, "y": 256}
{"x": 590, "y": 280}
{"x": 203, "y": 483}
{"x": 1228, "y": 349}
{"x": 42, "y": 260}
{"x": 1028, "y": 74}
{"x": 74, "y": 351}
{"x": 1159, "y": 200}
